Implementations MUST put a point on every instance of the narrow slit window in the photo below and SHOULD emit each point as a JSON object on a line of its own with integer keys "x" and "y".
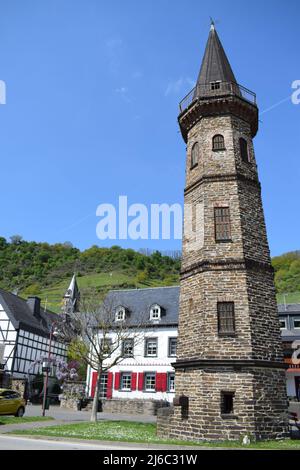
{"x": 244, "y": 150}
{"x": 195, "y": 155}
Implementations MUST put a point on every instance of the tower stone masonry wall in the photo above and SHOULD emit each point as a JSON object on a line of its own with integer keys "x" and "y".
{"x": 248, "y": 362}
{"x": 259, "y": 404}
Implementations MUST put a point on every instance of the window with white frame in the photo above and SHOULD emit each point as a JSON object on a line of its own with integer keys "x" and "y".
{"x": 126, "y": 381}
{"x": 106, "y": 345}
{"x": 151, "y": 347}
{"x": 120, "y": 314}
{"x": 155, "y": 312}
{"x": 103, "y": 385}
{"x": 296, "y": 323}
{"x": 150, "y": 382}
{"x": 172, "y": 347}
{"x": 171, "y": 382}
{"x": 283, "y": 323}
{"x": 128, "y": 345}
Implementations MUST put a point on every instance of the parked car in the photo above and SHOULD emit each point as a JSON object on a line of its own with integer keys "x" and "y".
{"x": 11, "y": 403}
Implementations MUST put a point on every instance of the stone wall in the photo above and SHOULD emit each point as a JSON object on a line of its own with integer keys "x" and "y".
{"x": 259, "y": 404}
{"x": 131, "y": 406}
{"x": 164, "y": 420}
{"x": 72, "y": 392}
{"x": 19, "y": 385}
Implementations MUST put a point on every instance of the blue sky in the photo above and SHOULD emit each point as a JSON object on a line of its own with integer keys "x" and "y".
{"x": 92, "y": 101}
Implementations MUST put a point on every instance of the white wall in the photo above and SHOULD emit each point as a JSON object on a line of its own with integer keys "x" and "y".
{"x": 139, "y": 363}
{"x": 8, "y": 336}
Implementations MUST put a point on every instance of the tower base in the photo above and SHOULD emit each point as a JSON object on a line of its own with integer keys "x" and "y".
{"x": 259, "y": 405}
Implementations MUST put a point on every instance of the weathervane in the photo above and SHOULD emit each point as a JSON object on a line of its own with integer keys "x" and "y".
{"x": 213, "y": 23}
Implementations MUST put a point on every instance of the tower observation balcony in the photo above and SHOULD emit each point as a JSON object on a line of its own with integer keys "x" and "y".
{"x": 216, "y": 89}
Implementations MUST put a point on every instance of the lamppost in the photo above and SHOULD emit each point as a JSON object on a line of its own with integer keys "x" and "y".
{"x": 46, "y": 364}
{"x": 46, "y": 367}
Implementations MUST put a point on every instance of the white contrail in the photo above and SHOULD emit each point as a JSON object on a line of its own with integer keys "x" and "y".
{"x": 275, "y": 105}
{"x": 78, "y": 222}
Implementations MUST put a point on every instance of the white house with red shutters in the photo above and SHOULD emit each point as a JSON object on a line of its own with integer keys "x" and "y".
{"x": 146, "y": 370}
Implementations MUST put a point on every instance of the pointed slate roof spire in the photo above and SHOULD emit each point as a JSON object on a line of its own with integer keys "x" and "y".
{"x": 215, "y": 64}
{"x": 71, "y": 297}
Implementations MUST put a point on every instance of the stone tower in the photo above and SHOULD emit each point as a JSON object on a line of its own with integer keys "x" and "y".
{"x": 230, "y": 375}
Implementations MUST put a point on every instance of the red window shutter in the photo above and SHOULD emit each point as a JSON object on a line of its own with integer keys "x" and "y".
{"x": 94, "y": 382}
{"x": 141, "y": 381}
{"x": 109, "y": 385}
{"x": 158, "y": 382}
{"x": 117, "y": 380}
{"x": 133, "y": 380}
{"x": 164, "y": 382}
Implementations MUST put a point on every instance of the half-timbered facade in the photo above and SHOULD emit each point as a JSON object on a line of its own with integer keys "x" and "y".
{"x": 24, "y": 335}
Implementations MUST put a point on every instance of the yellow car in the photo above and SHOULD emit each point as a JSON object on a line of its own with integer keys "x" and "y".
{"x": 11, "y": 403}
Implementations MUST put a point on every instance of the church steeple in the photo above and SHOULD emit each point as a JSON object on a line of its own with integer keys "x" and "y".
{"x": 215, "y": 64}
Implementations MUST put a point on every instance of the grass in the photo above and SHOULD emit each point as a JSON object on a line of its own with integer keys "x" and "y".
{"x": 125, "y": 431}
{"x": 24, "y": 419}
{"x": 292, "y": 298}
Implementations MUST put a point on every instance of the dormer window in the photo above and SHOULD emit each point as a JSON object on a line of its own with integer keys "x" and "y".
{"x": 155, "y": 312}
{"x": 120, "y": 314}
{"x": 215, "y": 85}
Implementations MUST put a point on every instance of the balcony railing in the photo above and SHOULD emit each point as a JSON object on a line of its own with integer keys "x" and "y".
{"x": 215, "y": 89}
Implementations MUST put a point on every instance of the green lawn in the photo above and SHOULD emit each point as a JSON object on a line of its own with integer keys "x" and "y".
{"x": 139, "y": 432}
{"x": 292, "y": 298}
{"x": 25, "y": 419}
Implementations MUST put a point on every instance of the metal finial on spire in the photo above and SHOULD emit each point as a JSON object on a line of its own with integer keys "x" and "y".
{"x": 212, "y": 23}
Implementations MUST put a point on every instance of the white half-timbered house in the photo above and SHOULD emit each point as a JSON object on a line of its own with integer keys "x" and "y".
{"x": 24, "y": 335}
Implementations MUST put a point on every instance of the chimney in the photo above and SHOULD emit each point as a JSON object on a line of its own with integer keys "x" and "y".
{"x": 34, "y": 303}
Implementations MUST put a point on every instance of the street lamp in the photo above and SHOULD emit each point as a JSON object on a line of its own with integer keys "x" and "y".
{"x": 46, "y": 363}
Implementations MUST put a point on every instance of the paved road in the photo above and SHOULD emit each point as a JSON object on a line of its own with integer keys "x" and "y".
{"x": 24, "y": 443}
{"x": 64, "y": 414}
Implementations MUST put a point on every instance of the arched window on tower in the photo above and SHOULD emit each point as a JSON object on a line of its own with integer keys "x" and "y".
{"x": 195, "y": 155}
{"x": 218, "y": 142}
{"x": 244, "y": 150}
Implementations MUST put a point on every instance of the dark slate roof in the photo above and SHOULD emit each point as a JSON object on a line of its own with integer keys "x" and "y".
{"x": 138, "y": 302}
{"x": 289, "y": 308}
{"x": 21, "y": 315}
{"x": 215, "y": 65}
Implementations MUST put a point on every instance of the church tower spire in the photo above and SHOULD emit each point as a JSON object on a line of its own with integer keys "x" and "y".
{"x": 230, "y": 375}
{"x": 215, "y": 65}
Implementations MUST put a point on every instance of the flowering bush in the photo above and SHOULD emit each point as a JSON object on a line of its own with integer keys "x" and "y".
{"x": 64, "y": 371}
